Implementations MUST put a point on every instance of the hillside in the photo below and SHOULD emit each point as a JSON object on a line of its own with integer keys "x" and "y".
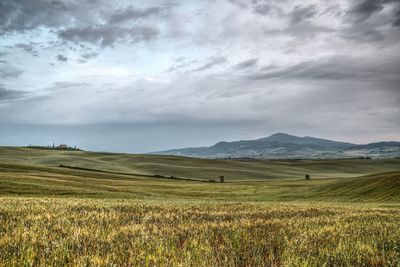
{"x": 285, "y": 146}
{"x": 92, "y": 214}
{"x": 23, "y": 180}
{"x": 383, "y": 187}
{"x": 37, "y": 172}
{"x": 198, "y": 168}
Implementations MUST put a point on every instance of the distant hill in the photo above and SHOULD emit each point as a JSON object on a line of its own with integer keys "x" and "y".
{"x": 286, "y": 146}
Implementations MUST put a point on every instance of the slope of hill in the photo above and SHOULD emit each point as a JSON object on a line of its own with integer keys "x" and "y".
{"x": 198, "y": 168}
{"x": 31, "y": 180}
{"x": 285, "y": 146}
{"x": 382, "y": 187}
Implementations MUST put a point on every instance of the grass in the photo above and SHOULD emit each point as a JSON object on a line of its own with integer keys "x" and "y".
{"x": 112, "y": 212}
{"x": 205, "y": 169}
{"x": 52, "y": 181}
{"x": 76, "y": 232}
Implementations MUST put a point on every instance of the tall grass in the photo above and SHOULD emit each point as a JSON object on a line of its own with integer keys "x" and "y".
{"x": 89, "y": 232}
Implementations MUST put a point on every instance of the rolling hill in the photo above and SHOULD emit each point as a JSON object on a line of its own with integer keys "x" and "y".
{"x": 197, "y": 168}
{"x": 39, "y": 181}
{"x": 285, "y": 146}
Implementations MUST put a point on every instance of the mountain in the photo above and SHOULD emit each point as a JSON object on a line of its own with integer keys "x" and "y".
{"x": 286, "y": 146}
{"x": 379, "y": 145}
{"x": 375, "y": 150}
{"x": 307, "y": 141}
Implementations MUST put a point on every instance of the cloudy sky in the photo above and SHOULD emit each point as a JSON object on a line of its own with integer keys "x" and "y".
{"x": 138, "y": 76}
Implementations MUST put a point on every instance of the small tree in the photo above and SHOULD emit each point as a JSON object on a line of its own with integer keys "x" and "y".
{"x": 307, "y": 177}
{"x": 221, "y": 179}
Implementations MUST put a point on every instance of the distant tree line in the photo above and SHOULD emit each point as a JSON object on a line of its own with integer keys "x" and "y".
{"x": 61, "y": 147}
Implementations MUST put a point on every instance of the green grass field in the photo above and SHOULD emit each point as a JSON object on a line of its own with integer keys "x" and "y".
{"x": 109, "y": 210}
{"x": 233, "y": 170}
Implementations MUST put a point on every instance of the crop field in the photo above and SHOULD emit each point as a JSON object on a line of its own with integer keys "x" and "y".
{"x": 95, "y": 209}
{"x": 76, "y": 232}
{"x": 195, "y": 168}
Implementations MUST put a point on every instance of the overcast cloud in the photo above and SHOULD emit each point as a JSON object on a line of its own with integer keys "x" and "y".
{"x": 138, "y": 76}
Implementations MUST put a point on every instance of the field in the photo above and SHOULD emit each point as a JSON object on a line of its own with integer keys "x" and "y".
{"x": 104, "y": 209}
{"x": 56, "y": 232}
{"x": 245, "y": 170}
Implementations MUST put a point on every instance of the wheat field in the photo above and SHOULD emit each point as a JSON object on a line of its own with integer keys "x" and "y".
{"x": 59, "y": 216}
{"x": 77, "y": 232}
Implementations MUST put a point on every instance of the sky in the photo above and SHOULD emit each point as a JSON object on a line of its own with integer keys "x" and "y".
{"x": 141, "y": 76}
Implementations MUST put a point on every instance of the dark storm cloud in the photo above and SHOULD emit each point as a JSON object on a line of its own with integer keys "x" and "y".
{"x": 90, "y": 55}
{"x": 29, "y": 48}
{"x": 211, "y": 62}
{"x": 62, "y": 58}
{"x": 362, "y": 34}
{"x": 262, "y": 9}
{"x": 108, "y": 35}
{"x": 238, "y": 3}
{"x": 2, "y": 54}
{"x": 337, "y": 69}
{"x": 9, "y": 72}
{"x": 131, "y": 13}
{"x": 246, "y": 64}
{"x": 300, "y": 14}
{"x": 396, "y": 22}
{"x": 259, "y": 7}
{"x": 83, "y": 21}
{"x": 22, "y": 15}
{"x": 363, "y": 10}
{"x": 6, "y": 94}
{"x": 379, "y": 30}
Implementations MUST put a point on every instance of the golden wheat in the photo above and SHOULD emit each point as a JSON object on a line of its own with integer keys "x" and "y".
{"x": 84, "y": 232}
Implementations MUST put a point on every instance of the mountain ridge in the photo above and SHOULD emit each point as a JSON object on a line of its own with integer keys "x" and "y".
{"x": 286, "y": 146}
